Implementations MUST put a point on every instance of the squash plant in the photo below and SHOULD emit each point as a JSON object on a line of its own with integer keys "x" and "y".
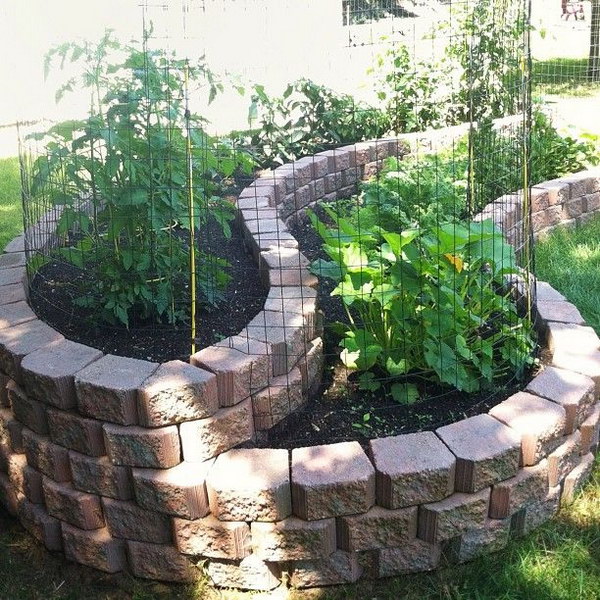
{"x": 124, "y": 176}
{"x": 426, "y": 303}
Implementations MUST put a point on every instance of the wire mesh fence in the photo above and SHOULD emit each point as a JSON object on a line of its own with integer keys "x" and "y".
{"x": 296, "y": 179}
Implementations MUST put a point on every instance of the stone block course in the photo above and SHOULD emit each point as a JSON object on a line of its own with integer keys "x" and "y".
{"x": 560, "y": 312}
{"x": 528, "y": 486}
{"x": 250, "y": 485}
{"x": 281, "y": 398}
{"x": 452, "y": 516}
{"x": 136, "y": 446}
{"x": 377, "y": 528}
{"x": 540, "y": 423}
{"x": 9, "y": 294}
{"x": 573, "y": 391}
{"x": 180, "y": 491}
{"x": 72, "y": 506}
{"x": 107, "y": 388}
{"x": 28, "y": 412}
{"x": 332, "y": 480}
{"x": 32, "y": 485}
{"x": 129, "y": 521}
{"x": 486, "y": 451}
{"x": 293, "y": 539}
{"x": 46, "y": 457}
{"x": 413, "y": 556}
{"x": 577, "y": 477}
{"x": 159, "y": 561}
{"x": 580, "y": 362}
{"x": 212, "y": 538}
{"x": 12, "y": 275}
{"x": 177, "y": 392}
{"x": 590, "y": 430}
{"x": 11, "y": 260}
{"x": 72, "y": 431}
{"x": 206, "y": 438}
{"x": 567, "y": 337}
{"x": 49, "y": 373}
{"x": 97, "y": 475}
{"x": 492, "y": 537}
{"x": 412, "y": 469}
{"x": 536, "y": 513}
{"x": 11, "y": 431}
{"x": 96, "y": 549}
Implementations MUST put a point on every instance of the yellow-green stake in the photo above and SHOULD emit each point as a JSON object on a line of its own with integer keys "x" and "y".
{"x": 190, "y": 213}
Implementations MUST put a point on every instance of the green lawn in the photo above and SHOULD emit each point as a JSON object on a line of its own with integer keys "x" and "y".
{"x": 11, "y": 223}
{"x": 563, "y": 77}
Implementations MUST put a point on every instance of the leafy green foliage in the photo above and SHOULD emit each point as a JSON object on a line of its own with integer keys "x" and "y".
{"x": 308, "y": 118}
{"x": 429, "y": 303}
{"x": 124, "y": 177}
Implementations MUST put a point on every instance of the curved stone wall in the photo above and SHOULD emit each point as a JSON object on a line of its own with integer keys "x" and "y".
{"x": 124, "y": 464}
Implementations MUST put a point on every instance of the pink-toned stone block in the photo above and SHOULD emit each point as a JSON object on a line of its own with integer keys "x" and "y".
{"x": 577, "y": 477}
{"x": 180, "y": 491}
{"x": 559, "y": 312}
{"x": 11, "y": 430}
{"x": 32, "y": 485}
{"x": 536, "y": 513}
{"x": 281, "y": 398}
{"x": 72, "y": 431}
{"x": 15, "y": 313}
{"x": 46, "y": 457}
{"x": 160, "y": 561}
{"x": 564, "y": 459}
{"x": 128, "y": 521}
{"x": 30, "y": 413}
{"x": 40, "y": 524}
{"x": 177, "y": 392}
{"x": 486, "y": 451}
{"x": 590, "y": 430}
{"x": 412, "y": 469}
{"x": 251, "y": 573}
{"x": 97, "y": 475}
{"x": 72, "y": 506}
{"x": 412, "y": 557}
{"x": 96, "y": 549}
{"x": 540, "y": 423}
{"x": 331, "y": 481}
{"x": 250, "y": 485}
{"x": 212, "y": 538}
{"x": 493, "y": 536}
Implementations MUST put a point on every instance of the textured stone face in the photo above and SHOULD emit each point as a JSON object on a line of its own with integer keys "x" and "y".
{"x": 32, "y": 485}
{"x": 158, "y": 561}
{"x": 332, "y": 480}
{"x": 46, "y": 457}
{"x": 311, "y": 366}
{"x": 68, "y": 504}
{"x": 30, "y": 413}
{"x": 17, "y": 342}
{"x": 11, "y": 431}
{"x": 492, "y": 537}
{"x": 377, "y": 528}
{"x": 228, "y": 427}
{"x": 412, "y": 469}
{"x": 76, "y": 433}
{"x": 100, "y": 476}
{"x": 212, "y": 538}
{"x": 180, "y": 491}
{"x": 574, "y": 338}
{"x": 241, "y": 369}
{"x": 49, "y": 374}
{"x": 586, "y": 363}
{"x": 577, "y": 477}
{"x": 573, "y": 391}
{"x": 530, "y": 485}
{"x": 250, "y": 485}
{"x": 487, "y": 451}
{"x": 454, "y": 515}
{"x": 139, "y": 447}
{"x": 413, "y": 556}
{"x": 251, "y": 573}
{"x": 560, "y": 312}
{"x": 281, "y": 398}
{"x": 107, "y": 388}
{"x": 564, "y": 459}
{"x": 340, "y": 567}
{"x": 590, "y": 430}
{"x": 539, "y": 422}
{"x": 96, "y": 549}
{"x": 177, "y": 392}
{"x": 40, "y": 525}
{"x": 129, "y": 521}
{"x": 293, "y": 539}
{"x": 537, "y": 513}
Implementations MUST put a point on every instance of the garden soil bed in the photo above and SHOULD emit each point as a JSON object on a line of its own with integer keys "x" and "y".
{"x": 55, "y": 287}
{"x": 339, "y": 411}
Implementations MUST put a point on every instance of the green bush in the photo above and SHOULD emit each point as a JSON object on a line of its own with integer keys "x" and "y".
{"x": 306, "y": 119}
{"x": 427, "y": 303}
{"x": 146, "y": 167}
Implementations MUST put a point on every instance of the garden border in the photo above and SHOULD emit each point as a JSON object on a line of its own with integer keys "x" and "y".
{"x": 126, "y": 464}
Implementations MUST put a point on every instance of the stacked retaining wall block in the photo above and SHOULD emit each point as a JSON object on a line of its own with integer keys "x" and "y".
{"x": 124, "y": 464}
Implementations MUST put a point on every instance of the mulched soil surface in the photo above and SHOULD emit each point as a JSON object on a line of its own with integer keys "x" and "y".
{"x": 55, "y": 287}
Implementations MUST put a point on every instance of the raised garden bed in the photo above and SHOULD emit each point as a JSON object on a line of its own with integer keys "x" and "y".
{"x": 126, "y": 464}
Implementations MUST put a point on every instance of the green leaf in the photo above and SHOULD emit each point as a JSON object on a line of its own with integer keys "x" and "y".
{"x": 328, "y": 269}
{"x": 405, "y": 393}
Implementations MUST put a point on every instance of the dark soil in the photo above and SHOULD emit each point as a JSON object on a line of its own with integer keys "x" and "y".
{"x": 339, "y": 411}
{"x": 55, "y": 287}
